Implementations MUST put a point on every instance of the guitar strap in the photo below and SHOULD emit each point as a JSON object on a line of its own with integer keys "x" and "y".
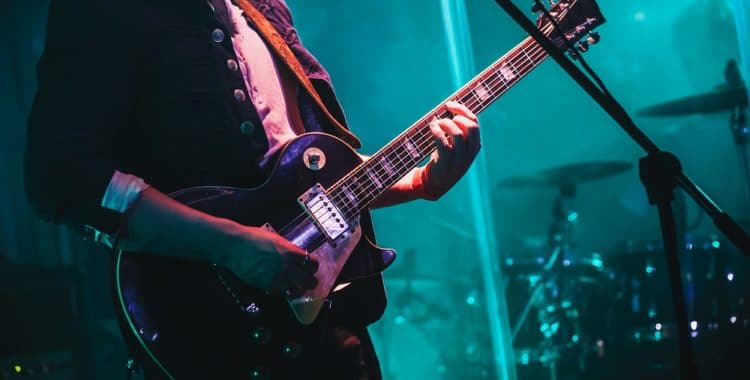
{"x": 269, "y": 34}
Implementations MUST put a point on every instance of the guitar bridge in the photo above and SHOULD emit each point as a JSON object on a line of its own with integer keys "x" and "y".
{"x": 324, "y": 213}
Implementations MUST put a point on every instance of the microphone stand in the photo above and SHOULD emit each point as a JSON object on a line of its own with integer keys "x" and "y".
{"x": 660, "y": 173}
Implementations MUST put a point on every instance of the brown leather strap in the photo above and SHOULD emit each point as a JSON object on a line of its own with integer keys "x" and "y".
{"x": 277, "y": 43}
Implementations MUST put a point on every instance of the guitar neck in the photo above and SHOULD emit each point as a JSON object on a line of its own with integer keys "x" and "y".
{"x": 356, "y": 191}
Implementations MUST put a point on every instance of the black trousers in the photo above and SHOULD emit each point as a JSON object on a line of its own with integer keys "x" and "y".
{"x": 343, "y": 353}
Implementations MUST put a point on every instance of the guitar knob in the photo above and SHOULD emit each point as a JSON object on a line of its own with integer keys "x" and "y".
{"x": 291, "y": 350}
{"x": 260, "y": 373}
{"x": 260, "y": 335}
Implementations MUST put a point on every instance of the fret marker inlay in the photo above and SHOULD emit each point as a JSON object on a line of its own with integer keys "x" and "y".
{"x": 507, "y": 72}
{"x": 349, "y": 194}
{"x": 412, "y": 149}
{"x": 482, "y": 92}
{"x": 387, "y": 166}
{"x": 374, "y": 177}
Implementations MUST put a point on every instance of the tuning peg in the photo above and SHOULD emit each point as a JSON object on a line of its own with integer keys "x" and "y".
{"x": 583, "y": 46}
{"x": 593, "y": 38}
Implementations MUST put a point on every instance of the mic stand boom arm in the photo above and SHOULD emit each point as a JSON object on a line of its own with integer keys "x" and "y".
{"x": 721, "y": 219}
{"x": 660, "y": 173}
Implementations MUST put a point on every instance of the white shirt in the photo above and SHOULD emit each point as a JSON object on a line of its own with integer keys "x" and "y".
{"x": 272, "y": 88}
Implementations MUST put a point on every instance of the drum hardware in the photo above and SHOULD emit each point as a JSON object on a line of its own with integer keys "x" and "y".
{"x": 716, "y": 300}
{"x": 660, "y": 172}
{"x": 549, "y": 277}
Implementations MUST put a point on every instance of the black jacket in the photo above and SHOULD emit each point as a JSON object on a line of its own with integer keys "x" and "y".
{"x": 144, "y": 87}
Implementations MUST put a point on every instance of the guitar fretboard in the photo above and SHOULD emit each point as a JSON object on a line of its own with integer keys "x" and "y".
{"x": 357, "y": 190}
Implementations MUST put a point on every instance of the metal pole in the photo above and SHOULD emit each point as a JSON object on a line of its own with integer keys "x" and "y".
{"x": 461, "y": 56}
{"x": 742, "y": 17}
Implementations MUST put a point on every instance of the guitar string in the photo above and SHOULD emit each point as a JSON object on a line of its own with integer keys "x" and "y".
{"x": 495, "y": 83}
{"x": 369, "y": 187}
{"x": 467, "y": 96}
{"x": 419, "y": 131}
{"x": 434, "y": 113}
{"x": 423, "y": 141}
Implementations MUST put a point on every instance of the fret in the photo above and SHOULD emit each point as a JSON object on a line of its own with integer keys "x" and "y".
{"x": 373, "y": 177}
{"x": 412, "y": 149}
{"x": 527, "y": 56}
{"x": 489, "y": 89}
{"x": 357, "y": 190}
{"x": 349, "y": 194}
{"x": 387, "y": 166}
{"x": 499, "y": 75}
{"x": 357, "y": 186}
{"x": 479, "y": 99}
{"x": 512, "y": 62}
{"x": 507, "y": 73}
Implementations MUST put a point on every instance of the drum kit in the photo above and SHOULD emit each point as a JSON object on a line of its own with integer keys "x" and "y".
{"x": 574, "y": 315}
{"x": 597, "y": 315}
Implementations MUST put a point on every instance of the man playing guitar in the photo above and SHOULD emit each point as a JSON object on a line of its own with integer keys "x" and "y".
{"x": 138, "y": 99}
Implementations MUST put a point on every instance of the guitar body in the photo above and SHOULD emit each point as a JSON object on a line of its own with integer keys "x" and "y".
{"x": 194, "y": 320}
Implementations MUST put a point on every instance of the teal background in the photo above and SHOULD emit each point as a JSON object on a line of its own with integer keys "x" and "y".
{"x": 389, "y": 65}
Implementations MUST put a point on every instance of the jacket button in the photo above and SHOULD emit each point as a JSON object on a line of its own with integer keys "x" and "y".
{"x": 247, "y": 128}
{"x": 239, "y": 95}
{"x": 217, "y": 35}
{"x": 232, "y": 65}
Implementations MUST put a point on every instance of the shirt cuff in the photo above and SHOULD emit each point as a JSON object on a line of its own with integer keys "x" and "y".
{"x": 121, "y": 193}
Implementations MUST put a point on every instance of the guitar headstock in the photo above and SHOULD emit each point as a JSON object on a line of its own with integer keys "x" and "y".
{"x": 577, "y": 19}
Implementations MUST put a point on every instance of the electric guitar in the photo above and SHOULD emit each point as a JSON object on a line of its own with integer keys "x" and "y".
{"x": 315, "y": 197}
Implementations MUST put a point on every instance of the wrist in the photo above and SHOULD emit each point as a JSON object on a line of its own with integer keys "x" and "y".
{"x": 228, "y": 236}
{"x": 419, "y": 184}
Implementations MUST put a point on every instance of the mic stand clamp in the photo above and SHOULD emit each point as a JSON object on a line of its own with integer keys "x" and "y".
{"x": 659, "y": 172}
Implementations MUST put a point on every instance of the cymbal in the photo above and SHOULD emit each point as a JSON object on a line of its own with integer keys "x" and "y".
{"x": 724, "y": 99}
{"x": 567, "y": 175}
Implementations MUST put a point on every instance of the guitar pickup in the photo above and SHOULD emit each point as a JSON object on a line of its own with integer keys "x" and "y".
{"x": 324, "y": 213}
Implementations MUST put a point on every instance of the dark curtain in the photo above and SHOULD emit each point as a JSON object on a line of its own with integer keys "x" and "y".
{"x": 27, "y": 242}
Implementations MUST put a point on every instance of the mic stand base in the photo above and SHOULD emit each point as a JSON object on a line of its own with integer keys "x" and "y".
{"x": 659, "y": 172}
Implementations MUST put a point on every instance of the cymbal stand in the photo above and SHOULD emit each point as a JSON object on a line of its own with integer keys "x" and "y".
{"x": 660, "y": 172}
{"x": 738, "y": 126}
{"x": 559, "y": 239}
{"x": 741, "y": 134}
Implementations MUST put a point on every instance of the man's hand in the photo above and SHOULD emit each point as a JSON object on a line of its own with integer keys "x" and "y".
{"x": 268, "y": 261}
{"x": 458, "y": 143}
